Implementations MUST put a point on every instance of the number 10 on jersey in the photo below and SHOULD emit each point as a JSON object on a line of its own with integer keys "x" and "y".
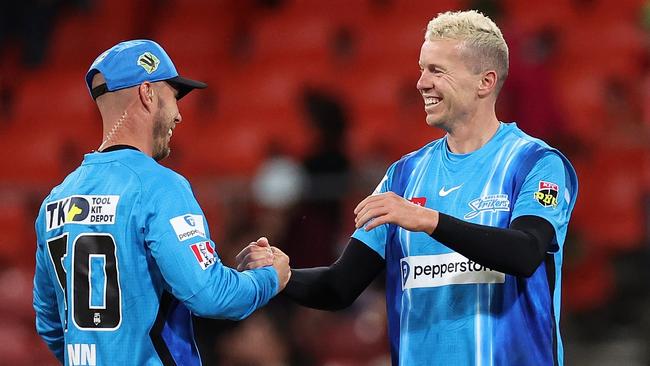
{"x": 96, "y": 297}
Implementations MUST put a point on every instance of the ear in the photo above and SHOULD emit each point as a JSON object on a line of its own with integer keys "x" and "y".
{"x": 146, "y": 94}
{"x": 488, "y": 83}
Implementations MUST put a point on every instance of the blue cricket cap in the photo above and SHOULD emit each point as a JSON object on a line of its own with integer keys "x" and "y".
{"x": 131, "y": 63}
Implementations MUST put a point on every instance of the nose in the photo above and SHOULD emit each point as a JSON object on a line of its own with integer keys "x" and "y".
{"x": 178, "y": 118}
{"x": 425, "y": 81}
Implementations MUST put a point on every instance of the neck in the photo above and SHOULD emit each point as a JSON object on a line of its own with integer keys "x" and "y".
{"x": 470, "y": 136}
{"x": 126, "y": 131}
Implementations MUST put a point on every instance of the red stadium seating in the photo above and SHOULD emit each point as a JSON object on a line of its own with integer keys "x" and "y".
{"x": 610, "y": 209}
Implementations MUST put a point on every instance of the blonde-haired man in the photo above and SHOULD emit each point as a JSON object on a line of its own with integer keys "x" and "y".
{"x": 469, "y": 228}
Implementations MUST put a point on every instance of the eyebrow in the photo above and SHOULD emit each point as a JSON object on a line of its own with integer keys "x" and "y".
{"x": 435, "y": 65}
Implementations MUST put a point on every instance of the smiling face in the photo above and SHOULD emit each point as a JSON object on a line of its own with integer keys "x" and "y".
{"x": 447, "y": 84}
{"x": 165, "y": 120}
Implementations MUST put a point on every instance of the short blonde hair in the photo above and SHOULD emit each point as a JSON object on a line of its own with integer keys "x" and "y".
{"x": 482, "y": 40}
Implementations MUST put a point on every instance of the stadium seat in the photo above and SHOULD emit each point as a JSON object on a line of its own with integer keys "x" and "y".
{"x": 403, "y": 9}
{"x": 293, "y": 36}
{"x": 81, "y": 36}
{"x": 395, "y": 45}
{"x": 617, "y": 46}
{"x": 610, "y": 211}
{"x": 17, "y": 225}
{"x": 588, "y": 282}
{"x": 530, "y": 17}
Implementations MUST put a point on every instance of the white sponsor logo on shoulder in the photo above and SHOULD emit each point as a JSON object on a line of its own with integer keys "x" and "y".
{"x": 87, "y": 210}
{"x": 188, "y": 226}
{"x": 445, "y": 269}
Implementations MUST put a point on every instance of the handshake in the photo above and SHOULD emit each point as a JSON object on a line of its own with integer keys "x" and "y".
{"x": 260, "y": 254}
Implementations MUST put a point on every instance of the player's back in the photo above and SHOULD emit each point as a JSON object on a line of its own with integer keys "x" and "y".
{"x": 116, "y": 309}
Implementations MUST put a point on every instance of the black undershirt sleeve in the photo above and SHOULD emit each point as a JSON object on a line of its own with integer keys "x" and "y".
{"x": 337, "y": 286}
{"x": 517, "y": 250}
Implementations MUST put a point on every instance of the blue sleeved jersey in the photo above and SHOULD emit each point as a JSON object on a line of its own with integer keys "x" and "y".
{"x": 123, "y": 259}
{"x": 445, "y": 309}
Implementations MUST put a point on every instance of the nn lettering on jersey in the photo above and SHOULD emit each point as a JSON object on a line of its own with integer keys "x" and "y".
{"x": 82, "y": 354}
{"x": 87, "y": 210}
{"x": 445, "y": 269}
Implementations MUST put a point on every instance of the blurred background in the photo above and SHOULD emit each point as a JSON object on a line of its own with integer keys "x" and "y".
{"x": 309, "y": 102}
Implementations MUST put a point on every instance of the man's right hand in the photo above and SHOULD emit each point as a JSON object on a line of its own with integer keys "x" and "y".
{"x": 281, "y": 265}
{"x": 256, "y": 254}
{"x": 261, "y": 253}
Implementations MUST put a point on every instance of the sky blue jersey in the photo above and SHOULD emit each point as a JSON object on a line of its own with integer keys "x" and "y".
{"x": 445, "y": 309}
{"x": 123, "y": 259}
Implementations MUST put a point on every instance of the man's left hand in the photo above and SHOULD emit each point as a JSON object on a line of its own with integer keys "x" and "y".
{"x": 389, "y": 208}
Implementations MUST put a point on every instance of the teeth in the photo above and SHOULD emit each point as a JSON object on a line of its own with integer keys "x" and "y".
{"x": 431, "y": 101}
{"x": 169, "y": 132}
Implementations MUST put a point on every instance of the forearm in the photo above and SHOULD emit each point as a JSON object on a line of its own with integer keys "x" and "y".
{"x": 316, "y": 288}
{"x": 337, "y": 286}
{"x": 234, "y": 295}
{"x": 517, "y": 250}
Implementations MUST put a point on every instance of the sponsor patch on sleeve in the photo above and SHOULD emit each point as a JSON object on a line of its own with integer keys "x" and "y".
{"x": 188, "y": 226}
{"x": 204, "y": 254}
{"x": 420, "y": 201}
{"x": 82, "y": 209}
{"x": 547, "y": 194}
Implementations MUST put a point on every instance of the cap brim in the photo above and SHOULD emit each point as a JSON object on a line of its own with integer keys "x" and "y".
{"x": 185, "y": 85}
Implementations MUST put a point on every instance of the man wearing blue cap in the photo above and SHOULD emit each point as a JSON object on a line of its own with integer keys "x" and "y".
{"x": 124, "y": 255}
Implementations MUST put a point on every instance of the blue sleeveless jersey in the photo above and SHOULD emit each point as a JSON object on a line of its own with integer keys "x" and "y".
{"x": 445, "y": 309}
{"x": 123, "y": 258}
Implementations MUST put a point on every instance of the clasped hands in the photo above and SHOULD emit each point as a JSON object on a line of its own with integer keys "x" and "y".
{"x": 260, "y": 254}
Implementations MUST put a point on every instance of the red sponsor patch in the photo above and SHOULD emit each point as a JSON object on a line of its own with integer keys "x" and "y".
{"x": 548, "y": 185}
{"x": 204, "y": 253}
{"x": 420, "y": 201}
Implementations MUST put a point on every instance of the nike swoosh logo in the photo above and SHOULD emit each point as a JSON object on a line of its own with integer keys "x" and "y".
{"x": 443, "y": 193}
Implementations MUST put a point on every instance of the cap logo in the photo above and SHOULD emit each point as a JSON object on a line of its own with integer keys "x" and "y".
{"x": 149, "y": 62}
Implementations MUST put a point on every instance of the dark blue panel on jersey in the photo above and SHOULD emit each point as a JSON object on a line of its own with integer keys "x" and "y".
{"x": 178, "y": 336}
{"x": 172, "y": 334}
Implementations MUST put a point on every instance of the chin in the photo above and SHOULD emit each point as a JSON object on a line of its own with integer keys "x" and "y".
{"x": 434, "y": 121}
{"x": 160, "y": 155}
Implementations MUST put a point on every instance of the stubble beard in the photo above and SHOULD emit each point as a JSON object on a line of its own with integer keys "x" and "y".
{"x": 161, "y": 148}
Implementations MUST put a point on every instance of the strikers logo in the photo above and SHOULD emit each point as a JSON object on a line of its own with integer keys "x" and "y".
{"x": 204, "y": 253}
{"x": 547, "y": 193}
{"x": 488, "y": 203}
